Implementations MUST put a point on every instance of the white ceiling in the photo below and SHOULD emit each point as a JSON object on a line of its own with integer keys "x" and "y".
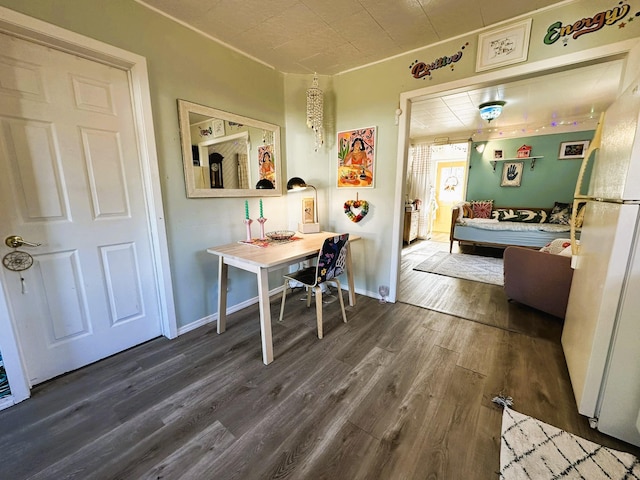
{"x": 553, "y": 103}
{"x": 332, "y": 36}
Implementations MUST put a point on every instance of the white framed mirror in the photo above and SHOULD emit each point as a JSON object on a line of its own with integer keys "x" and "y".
{"x": 228, "y": 155}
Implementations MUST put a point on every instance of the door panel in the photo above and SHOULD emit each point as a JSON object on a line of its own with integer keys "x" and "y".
{"x": 68, "y": 140}
{"x": 34, "y": 173}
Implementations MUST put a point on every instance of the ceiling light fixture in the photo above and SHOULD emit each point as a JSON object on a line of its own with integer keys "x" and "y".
{"x": 491, "y": 110}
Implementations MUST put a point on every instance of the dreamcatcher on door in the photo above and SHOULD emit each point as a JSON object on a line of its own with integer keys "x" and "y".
{"x": 18, "y": 261}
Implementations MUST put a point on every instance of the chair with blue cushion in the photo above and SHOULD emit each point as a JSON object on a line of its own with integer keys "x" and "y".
{"x": 330, "y": 264}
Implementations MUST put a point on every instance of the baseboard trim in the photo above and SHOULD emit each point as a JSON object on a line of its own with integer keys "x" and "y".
{"x": 247, "y": 303}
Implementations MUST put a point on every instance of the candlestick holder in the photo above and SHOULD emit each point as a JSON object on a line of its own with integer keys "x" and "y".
{"x": 248, "y": 223}
{"x": 261, "y": 221}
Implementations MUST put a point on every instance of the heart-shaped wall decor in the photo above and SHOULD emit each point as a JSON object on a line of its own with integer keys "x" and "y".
{"x": 356, "y": 210}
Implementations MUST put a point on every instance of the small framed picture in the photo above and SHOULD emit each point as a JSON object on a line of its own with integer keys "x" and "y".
{"x": 497, "y": 154}
{"x": 218, "y": 128}
{"x": 570, "y": 150}
{"x": 503, "y": 46}
{"x": 512, "y": 174}
{"x": 308, "y": 210}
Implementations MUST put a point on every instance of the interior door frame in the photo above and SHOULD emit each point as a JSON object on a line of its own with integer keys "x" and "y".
{"x": 31, "y": 29}
{"x": 485, "y": 79}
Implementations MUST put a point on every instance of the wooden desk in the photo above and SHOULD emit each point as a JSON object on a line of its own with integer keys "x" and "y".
{"x": 261, "y": 261}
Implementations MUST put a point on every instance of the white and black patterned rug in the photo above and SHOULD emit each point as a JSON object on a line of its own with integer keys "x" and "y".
{"x": 468, "y": 267}
{"x": 531, "y": 449}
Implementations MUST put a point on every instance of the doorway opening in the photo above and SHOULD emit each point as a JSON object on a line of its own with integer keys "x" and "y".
{"x": 491, "y": 83}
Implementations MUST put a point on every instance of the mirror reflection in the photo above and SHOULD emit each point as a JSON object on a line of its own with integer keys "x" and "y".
{"x": 227, "y": 155}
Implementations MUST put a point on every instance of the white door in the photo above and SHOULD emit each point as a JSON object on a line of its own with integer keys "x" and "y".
{"x": 71, "y": 180}
{"x": 449, "y": 191}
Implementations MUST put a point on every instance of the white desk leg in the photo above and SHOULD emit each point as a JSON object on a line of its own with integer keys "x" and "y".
{"x": 352, "y": 288}
{"x": 223, "y": 268}
{"x": 265, "y": 316}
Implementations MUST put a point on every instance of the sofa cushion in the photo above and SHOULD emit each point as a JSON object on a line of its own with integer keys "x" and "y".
{"x": 482, "y": 208}
{"x": 561, "y": 213}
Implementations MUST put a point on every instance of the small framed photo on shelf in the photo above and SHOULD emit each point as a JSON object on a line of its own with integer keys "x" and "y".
{"x": 569, "y": 150}
{"x": 497, "y": 154}
{"x": 512, "y": 174}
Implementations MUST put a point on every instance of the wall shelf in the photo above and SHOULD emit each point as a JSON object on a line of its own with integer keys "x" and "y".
{"x": 533, "y": 161}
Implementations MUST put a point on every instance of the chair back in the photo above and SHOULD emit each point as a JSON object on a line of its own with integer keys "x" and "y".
{"x": 332, "y": 258}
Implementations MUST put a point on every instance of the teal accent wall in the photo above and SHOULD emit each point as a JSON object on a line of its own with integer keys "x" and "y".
{"x": 552, "y": 180}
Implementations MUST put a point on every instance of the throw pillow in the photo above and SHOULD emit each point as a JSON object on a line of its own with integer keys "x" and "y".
{"x": 532, "y": 216}
{"x": 556, "y": 246}
{"x": 505, "y": 215}
{"x": 561, "y": 213}
{"x": 526, "y": 216}
{"x": 566, "y": 252}
{"x": 482, "y": 208}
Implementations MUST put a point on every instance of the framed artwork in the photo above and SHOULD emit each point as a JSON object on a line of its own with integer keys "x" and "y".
{"x": 503, "y": 46}
{"x": 218, "y": 128}
{"x": 266, "y": 166}
{"x": 497, "y": 154}
{"x": 570, "y": 150}
{"x": 512, "y": 174}
{"x": 356, "y": 157}
{"x": 307, "y": 210}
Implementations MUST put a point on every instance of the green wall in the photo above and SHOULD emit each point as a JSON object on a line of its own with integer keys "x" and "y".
{"x": 183, "y": 64}
{"x": 551, "y": 180}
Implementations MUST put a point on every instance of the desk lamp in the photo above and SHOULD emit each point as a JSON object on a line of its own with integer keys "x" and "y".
{"x": 296, "y": 184}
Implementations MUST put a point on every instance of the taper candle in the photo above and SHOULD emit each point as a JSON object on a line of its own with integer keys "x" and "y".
{"x": 246, "y": 209}
{"x": 261, "y": 216}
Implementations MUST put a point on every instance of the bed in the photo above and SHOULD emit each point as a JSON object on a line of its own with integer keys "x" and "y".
{"x": 492, "y": 232}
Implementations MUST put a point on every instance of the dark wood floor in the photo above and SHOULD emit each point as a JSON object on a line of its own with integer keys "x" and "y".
{"x": 399, "y": 392}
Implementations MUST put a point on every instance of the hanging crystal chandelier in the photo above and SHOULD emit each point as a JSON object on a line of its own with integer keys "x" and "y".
{"x": 315, "y": 115}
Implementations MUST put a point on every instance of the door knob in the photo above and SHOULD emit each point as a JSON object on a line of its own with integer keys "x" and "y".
{"x": 15, "y": 241}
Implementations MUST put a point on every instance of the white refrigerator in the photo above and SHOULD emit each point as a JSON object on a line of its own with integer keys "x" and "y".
{"x": 601, "y": 333}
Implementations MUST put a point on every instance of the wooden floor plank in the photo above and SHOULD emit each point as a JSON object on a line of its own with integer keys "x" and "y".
{"x": 399, "y": 392}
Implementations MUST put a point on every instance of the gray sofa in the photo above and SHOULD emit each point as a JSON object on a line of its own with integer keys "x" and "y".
{"x": 538, "y": 279}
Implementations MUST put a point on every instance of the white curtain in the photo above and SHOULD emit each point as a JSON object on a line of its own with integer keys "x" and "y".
{"x": 420, "y": 185}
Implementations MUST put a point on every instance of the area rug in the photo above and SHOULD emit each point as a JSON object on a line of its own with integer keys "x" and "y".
{"x": 531, "y": 449}
{"x": 467, "y": 267}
